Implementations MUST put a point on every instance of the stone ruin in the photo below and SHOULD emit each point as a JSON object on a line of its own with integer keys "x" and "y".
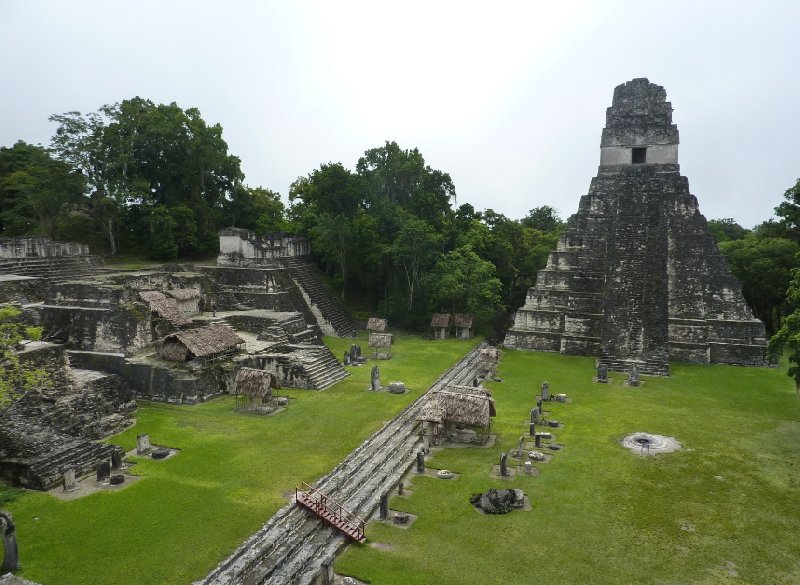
{"x": 50, "y": 432}
{"x": 111, "y": 328}
{"x": 637, "y": 277}
{"x": 499, "y": 501}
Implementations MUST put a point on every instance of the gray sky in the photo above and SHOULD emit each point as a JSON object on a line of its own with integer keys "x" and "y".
{"x": 508, "y": 97}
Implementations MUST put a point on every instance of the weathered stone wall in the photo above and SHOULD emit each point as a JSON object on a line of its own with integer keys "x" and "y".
{"x": 153, "y": 379}
{"x": 240, "y": 247}
{"x": 22, "y": 289}
{"x": 40, "y": 247}
{"x": 637, "y": 278}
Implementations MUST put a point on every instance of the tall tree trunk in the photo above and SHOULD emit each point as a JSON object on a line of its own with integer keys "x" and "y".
{"x": 112, "y": 241}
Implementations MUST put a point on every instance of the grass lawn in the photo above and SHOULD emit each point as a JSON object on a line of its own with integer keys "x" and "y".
{"x": 189, "y": 512}
{"x": 724, "y": 510}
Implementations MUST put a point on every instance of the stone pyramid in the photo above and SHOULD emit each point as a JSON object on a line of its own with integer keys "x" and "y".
{"x": 637, "y": 278}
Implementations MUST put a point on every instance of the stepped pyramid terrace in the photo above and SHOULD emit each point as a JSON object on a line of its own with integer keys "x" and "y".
{"x": 637, "y": 278}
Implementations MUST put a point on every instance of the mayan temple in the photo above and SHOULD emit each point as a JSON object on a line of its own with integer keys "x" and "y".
{"x": 637, "y": 278}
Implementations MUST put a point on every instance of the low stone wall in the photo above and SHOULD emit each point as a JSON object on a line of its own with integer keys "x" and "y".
{"x": 240, "y": 247}
{"x": 167, "y": 384}
{"x": 40, "y": 247}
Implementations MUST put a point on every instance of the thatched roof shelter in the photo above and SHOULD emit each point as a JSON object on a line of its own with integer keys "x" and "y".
{"x": 377, "y": 325}
{"x": 207, "y": 343}
{"x": 255, "y": 383}
{"x": 440, "y": 320}
{"x": 164, "y": 306}
{"x": 460, "y": 405}
{"x": 184, "y": 294}
{"x": 380, "y": 340}
{"x": 463, "y": 320}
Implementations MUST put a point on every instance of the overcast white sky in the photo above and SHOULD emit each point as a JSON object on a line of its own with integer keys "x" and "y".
{"x": 508, "y": 97}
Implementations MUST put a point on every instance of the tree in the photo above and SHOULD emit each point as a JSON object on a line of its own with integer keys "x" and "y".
{"x": 789, "y": 211}
{"x": 764, "y": 267}
{"x": 543, "y": 218}
{"x": 788, "y": 336}
{"x": 726, "y": 229}
{"x": 462, "y": 282}
{"x": 257, "y": 209}
{"x": 413, "y": 250}
{"x": 137, "y": 154}
{"x": 34, "y": 190}
{"x": 401, "y": 177}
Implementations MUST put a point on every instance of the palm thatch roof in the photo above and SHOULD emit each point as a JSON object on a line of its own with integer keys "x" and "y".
{"x": 463, "y": 320}
{"x": 184, "y": 294}
{"x": 255, "y": 383}
{"x": 380, "y": 340}
{"x": 462, "y": 405}
{"x": 377, "y": 325}
{"x": 164, "y": 306}
{"x": 203, "y": 342}
{"x": 440, "y": 320}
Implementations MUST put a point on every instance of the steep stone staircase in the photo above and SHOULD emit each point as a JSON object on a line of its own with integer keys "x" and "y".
{"x": 309, "y": 280}
{"x": 53, "y": 269}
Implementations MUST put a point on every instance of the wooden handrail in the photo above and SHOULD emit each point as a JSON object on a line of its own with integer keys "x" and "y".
{"x": 318, "y": 502}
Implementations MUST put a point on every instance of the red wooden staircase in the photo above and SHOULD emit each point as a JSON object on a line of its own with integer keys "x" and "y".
{"x": 331, "y": 511}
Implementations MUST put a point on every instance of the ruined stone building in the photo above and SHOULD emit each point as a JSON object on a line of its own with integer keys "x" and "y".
{"x": 637, "y": 278}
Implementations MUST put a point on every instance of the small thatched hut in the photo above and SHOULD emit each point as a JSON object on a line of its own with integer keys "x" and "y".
{"x": 461, "y": 413}
{"x": 186, "y": 299}
{"x": 377, "y": 325}
{"x": 463, "y": 324}
{"x": 164, "y": 307}
{"x": 440, "y": 323}
{"x": 204, "y": 343}
{"x": 254, "y": 390}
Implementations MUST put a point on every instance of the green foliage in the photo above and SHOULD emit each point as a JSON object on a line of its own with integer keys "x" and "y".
{"x": 256, "y": 209}
{"x": 462, "y": 282}
{"x": 789, "y": 211}
{"x": 380, "y": 232}
{"x": 544, "y": 219}
{"x": 763, "y": 266}
{"x": 35, "y": 189}
{"x": 726, "y": 229}
{"x": 188, "y": 513}
{"x": 15, "y": 377}
{"x": 158, "y": 177}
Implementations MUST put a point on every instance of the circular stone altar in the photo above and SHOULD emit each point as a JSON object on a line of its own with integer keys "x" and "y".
{"x": 444, "y": 474}
{"x": 649, "y": 444}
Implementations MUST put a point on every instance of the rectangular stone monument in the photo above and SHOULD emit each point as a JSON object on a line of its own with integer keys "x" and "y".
{"x": 70, "y": 484}
{"x": 143, "y": 444}
{"x": 104, "y": 471}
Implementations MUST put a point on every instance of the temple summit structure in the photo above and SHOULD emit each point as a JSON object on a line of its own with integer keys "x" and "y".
{"x": 637, "y": 278}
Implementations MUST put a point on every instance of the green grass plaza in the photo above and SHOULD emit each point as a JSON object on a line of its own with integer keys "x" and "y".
{"x": 725, "y": 508}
